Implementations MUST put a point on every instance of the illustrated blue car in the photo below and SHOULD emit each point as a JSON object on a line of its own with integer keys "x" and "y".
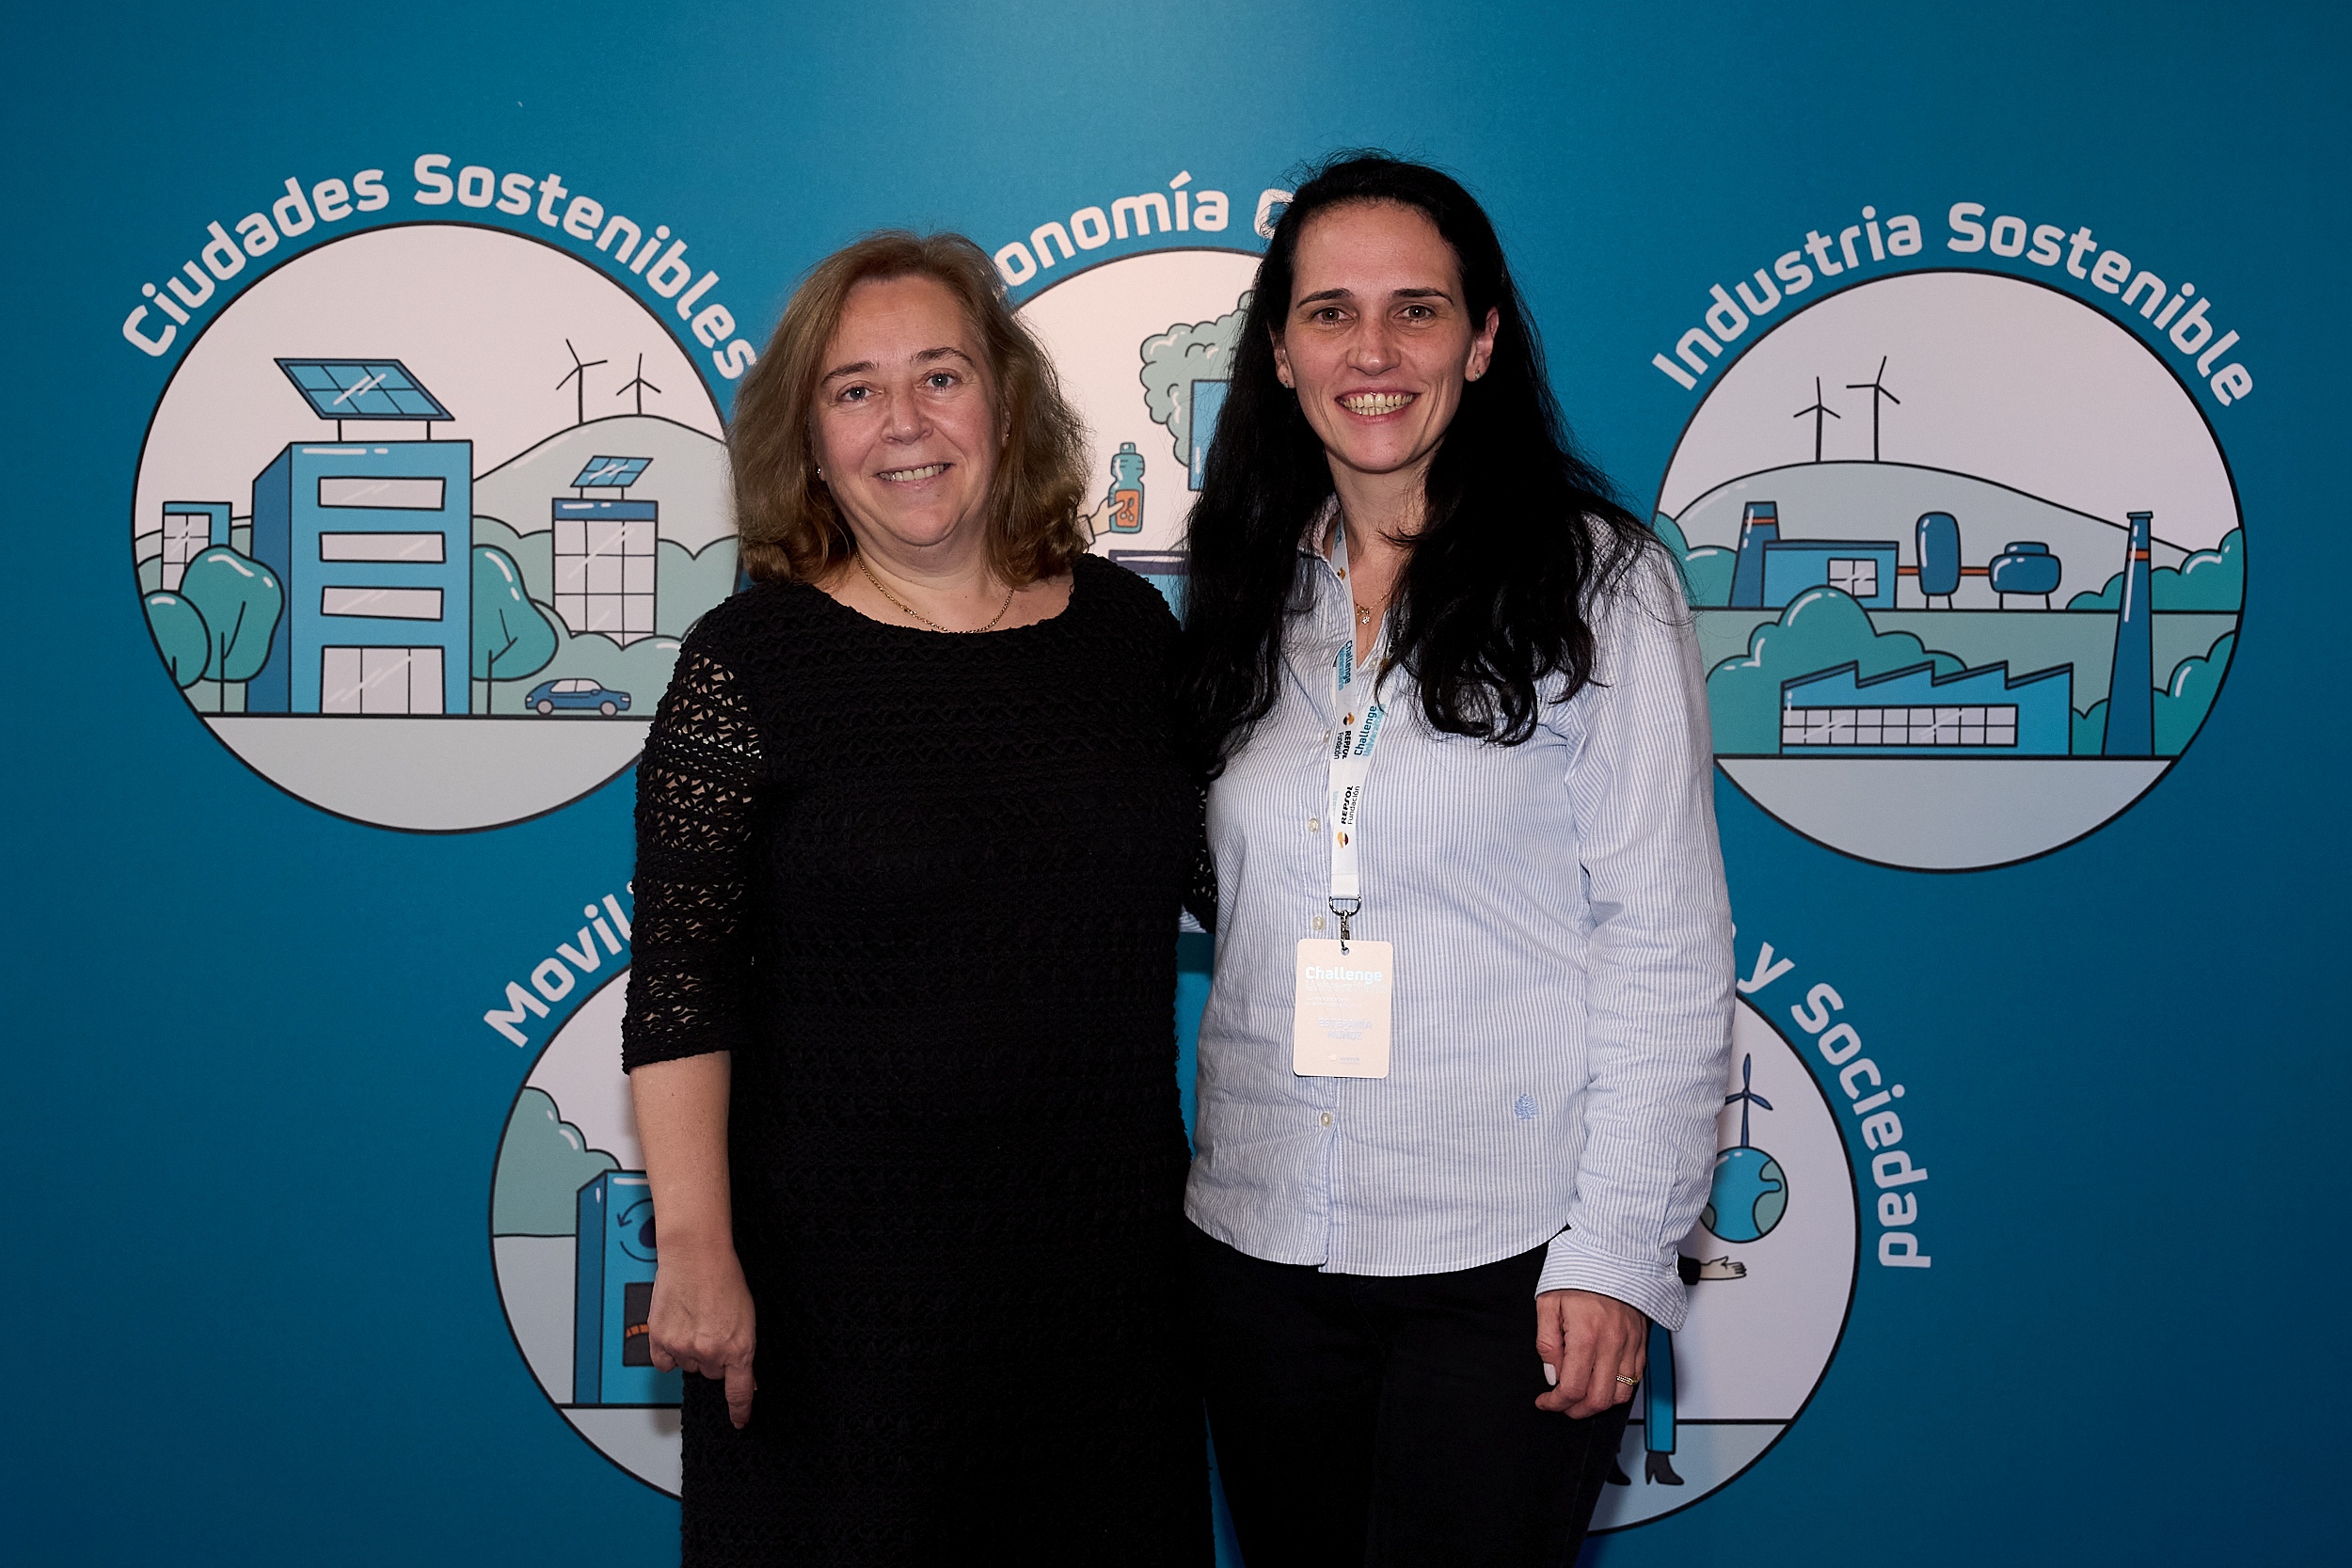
{"x": 548, "y": 696}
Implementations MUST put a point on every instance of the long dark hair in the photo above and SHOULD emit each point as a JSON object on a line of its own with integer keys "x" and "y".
{"x": 1520, "y": 532}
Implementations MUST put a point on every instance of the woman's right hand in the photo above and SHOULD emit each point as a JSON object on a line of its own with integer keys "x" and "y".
{"x": 702, "y": 1321}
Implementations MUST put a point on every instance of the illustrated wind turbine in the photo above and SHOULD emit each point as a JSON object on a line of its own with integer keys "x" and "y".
{"x": 1817, "y": 410}
{"x": 579, "y": 374}
{"x": 1746, "y": 1096}
{"x": 639, "y": 385}
{"x": 1877, "y": 388}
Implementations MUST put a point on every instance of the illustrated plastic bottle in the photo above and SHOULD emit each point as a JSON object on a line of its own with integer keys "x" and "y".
{"x": 1127, "y": 489}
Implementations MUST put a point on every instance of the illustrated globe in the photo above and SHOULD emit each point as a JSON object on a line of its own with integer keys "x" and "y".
{"x": 1748, "y": 1198}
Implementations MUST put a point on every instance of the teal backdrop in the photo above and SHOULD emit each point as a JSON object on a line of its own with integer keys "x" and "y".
{"x": 267, "y": 1305}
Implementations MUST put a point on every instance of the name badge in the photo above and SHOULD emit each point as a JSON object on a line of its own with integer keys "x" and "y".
{"x": 1341, "y": 1027}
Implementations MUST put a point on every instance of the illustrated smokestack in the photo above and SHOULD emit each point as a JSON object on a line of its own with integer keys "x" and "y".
{"x": 1759, "y": 524}
{"x": 2131, "y": 690}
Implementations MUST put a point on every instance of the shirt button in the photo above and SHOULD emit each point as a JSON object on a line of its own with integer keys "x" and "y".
{"x": 1326, "y": 1118}
{"x": 1315, "y": 824}
{"x": 1318, "y": 922}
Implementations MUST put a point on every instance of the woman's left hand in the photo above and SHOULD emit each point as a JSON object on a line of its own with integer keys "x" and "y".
{"x": 1588, "y": 1342}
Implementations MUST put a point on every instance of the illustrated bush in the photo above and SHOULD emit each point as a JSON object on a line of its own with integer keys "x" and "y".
{"x": 2210, "y": 579}
{"x": 181, "y": 637}
{"x": 513, "y": 637}
{"x": 239, "y": 600}
{"x": 1705, "y": 569}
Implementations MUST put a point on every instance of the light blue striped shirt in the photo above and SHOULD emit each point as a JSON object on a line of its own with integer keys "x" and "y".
{"x": 1563, "y": 974}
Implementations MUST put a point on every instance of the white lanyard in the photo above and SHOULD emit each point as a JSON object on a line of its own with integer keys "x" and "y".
{"x": 1356, "y": 730}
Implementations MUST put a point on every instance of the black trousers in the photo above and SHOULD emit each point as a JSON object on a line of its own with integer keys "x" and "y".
{"x": 1369, "y": 1421}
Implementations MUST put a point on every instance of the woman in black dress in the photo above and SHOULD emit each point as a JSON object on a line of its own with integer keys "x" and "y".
{"x": 911, "y": 839}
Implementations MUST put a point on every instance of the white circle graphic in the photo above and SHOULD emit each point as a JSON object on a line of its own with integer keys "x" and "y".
{"x": 1767, "y": 1309}
{"x": 572, "y": 1241}
{"x": 419, "y": 518}
{"x": 1967, "y": 563}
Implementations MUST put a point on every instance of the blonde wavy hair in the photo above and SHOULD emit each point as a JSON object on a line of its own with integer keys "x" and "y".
{"x": 790, "y": 528}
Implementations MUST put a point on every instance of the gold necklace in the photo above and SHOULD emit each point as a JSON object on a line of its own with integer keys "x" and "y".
{"x": 908, "y": 610}
{"x": 1364, "y": 612}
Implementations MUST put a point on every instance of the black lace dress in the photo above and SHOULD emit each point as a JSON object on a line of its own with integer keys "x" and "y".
{"x": 923, "y": 887}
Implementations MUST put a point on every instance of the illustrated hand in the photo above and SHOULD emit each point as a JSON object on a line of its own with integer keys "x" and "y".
{"x": 702, "y": 1322}
{"x": 1722, "y": 1268}
{"x": 1587, "y": 1342}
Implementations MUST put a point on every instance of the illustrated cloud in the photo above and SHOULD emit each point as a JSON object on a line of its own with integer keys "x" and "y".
{"x": 543, "y": 1163}
{"x": 1820, "y": 627}
{"x": 1181, "y": 356}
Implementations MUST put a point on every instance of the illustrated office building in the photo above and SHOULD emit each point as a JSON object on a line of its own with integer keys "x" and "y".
{"x": 606, "y": 552}
{"x": 372, "y": 542}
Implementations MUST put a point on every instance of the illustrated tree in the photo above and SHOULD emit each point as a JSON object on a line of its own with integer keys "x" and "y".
{"x": 239, "y": 600}
{"x": 512, "y": 635}
{"x": 181, "y": 637}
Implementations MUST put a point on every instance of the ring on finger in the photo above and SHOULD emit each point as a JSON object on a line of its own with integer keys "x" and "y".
{"x": 1622, "y": 1378}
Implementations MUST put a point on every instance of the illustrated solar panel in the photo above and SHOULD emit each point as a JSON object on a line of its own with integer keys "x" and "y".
{"x": 363, "y": 389}
{"x": 610, "y": 473}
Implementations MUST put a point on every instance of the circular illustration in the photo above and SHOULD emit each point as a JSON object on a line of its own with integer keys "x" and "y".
{"x": 419, "y": 519}
{"x": 1143, "y": 345}
{"x": 1770, "y": 1268}
{"x": 572, "y": 1237}
{"x": 1967, "y": 566}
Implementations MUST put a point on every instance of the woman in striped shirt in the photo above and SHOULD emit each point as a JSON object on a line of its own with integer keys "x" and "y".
{"x": 1460, "y": 1067}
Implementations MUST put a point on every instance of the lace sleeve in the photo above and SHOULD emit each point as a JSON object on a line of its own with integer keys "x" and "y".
{"x": 695, "y": 787}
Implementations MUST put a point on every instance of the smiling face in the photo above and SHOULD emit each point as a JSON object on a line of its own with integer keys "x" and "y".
{"x": 907, "y": 425}
{"x": 1378, "y": 342}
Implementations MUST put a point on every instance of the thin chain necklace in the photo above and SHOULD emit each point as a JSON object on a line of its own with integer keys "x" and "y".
{"x": 1364, "y": 612}
{"x": 908, "y": 610}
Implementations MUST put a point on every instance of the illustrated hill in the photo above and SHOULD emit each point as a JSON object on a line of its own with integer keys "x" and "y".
{"x": 1883, "y": 500}
{"x": 687, "y": 477}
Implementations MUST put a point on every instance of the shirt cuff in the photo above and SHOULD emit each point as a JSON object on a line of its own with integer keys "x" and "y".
{"x": 1656, "y": 1292}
